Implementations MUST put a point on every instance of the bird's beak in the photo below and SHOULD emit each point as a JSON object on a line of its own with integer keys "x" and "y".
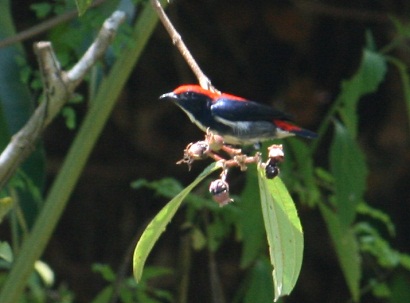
{"x": 169, "y": 97}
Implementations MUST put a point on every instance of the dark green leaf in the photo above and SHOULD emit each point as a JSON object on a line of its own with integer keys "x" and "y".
{"x": 83, "y": 5}
{"x": 167, "y": 187}
{"x": 300, "y": 161}
{"x": 104, "y": 296}
{"x": 259, "y": 288}
{"x": 367, "y": 79}
{"x": 365, "y": 209}
{"x": 157, "y": 226}
{"x": 347, "y": 249}
{"x": 349, "y": 170}
{"x": 251, "y": 222}
{"x": 41, "y": 9}
{"x": 105, "y": 270}
{"x": 284, "y": 233}
{"x": 372, "y": 243}
{"x": 400, "y": 290}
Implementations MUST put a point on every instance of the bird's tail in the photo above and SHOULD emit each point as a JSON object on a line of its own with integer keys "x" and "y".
{"x": 294, "y": 129}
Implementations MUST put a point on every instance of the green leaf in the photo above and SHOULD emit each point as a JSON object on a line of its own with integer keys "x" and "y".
{"x": 365, "y": 209}
{"x": 82, "y": 6}
{"x": 259, "y": 288}
{"x": 105, "y": 271}
{"x": 5, "y": 252}
{"x": 349, "y": 169}
{"x": 41, "y": 9}
{"x": 372, "y": 243}
{"x": 105, "y": 295}
{"x": 301, "y": 171}
{"x": 166, "y": 187}
{"x": 251, "y": 222}
{"x": 157, "y": 226}
{"x": 347, "y": 249}
{"x": 45, "y": 272}
{"x": 284, "y": 233}
{"x": 69, "y": 116}
{"x": 367, "y": 79}
{"x": 6, "y": 204}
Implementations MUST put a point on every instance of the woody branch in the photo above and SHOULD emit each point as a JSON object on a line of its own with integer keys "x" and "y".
{"x": 58, "y": 85}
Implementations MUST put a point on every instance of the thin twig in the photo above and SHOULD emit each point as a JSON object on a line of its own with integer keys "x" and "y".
{"x": 179, "y": 43}
{"x": 58, "y": 88}
{"x": 44, "y": 26}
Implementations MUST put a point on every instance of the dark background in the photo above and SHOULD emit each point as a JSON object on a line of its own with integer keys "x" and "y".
{"x": 291, "y": 54}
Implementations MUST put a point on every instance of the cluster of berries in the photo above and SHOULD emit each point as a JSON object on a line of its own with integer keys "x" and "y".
{"x": 213, "y": 146}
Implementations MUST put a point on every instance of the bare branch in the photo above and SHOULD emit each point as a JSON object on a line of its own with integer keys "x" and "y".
{"x": 44, "y": 26}
{"x": 58, "y": 87}
{"x": 179, "y": 43}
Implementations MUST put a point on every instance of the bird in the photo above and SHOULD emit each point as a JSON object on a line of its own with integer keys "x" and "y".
{"x": 237, "y": 120}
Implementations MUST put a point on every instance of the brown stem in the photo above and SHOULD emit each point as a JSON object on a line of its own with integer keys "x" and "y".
{"x": 179, "y": 43}
{"x": 44, "y": 26}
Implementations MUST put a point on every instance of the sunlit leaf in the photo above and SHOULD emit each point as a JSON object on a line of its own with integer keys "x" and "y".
{"x": 6, "y": 204}
{"x": 5, "y": 252}
{"x": 157, "y": 226}
{"x": 284, "y": 233}
{"x": 349, "y": 169}
{"x": 45, "y": 272}
{"x": 347, "y": 249}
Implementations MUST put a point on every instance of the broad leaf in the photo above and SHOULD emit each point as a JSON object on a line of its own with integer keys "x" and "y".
{"x": 284, "y": 233}
{"x": 349, "y": 169}
{"x": 347, "y": 249}
{"x": 157, "y": 226}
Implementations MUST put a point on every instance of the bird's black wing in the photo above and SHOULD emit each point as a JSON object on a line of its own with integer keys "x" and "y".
{"x": 235, "y": 110}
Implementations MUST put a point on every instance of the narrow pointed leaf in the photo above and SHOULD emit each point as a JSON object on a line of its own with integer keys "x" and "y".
{"x": 347, "y": 249}
{"x": 348, "y": 166}
{"x": 157, "y": 226}
{"x": 284, "y": 233}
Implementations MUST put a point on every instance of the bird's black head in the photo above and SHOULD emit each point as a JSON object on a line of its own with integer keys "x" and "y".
{"x": 194, "y": 101}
